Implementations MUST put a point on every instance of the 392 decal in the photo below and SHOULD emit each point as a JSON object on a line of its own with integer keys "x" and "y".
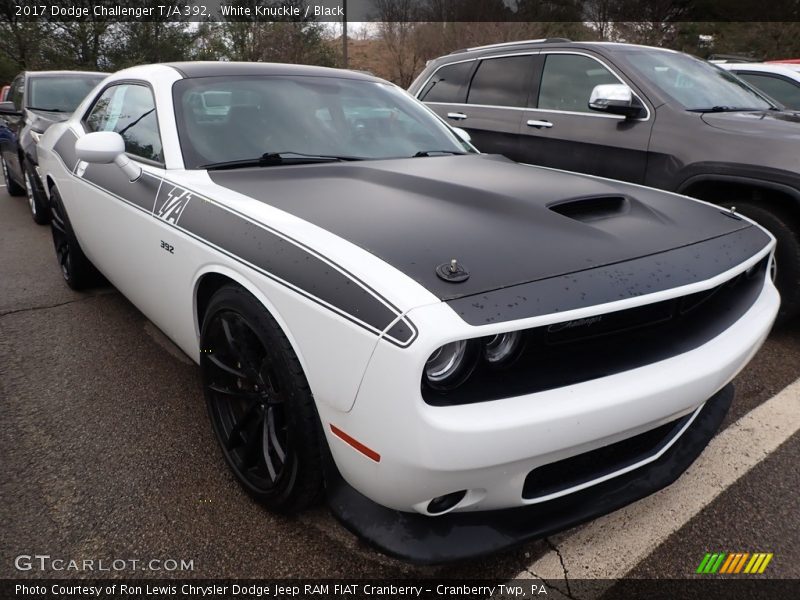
{"x": 168, "y": 247}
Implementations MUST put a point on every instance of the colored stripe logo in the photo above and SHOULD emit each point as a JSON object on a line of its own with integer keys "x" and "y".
{"x": 734, "y": 563}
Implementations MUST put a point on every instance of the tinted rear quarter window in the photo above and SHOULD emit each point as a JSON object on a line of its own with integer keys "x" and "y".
{"x": 502, "y": 81}
{"x": 448, "y": 84}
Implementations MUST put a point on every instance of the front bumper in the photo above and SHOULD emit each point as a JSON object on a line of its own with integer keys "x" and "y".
{"x": 490, "y": 448}
{"x": 457, "y": 536}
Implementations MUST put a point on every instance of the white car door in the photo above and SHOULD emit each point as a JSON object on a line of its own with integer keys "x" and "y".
{"x": 113, "y": 216}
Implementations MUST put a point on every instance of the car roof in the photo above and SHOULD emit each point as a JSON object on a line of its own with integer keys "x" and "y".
{"x": 222, "y": 69}
{"x": 788, "y": 70}
{"x": 58, "y": 73}
{"x": 554, "y": 42}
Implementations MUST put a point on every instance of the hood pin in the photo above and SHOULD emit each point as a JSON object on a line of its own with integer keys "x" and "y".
{"x": 454, "y": 272}
{"x": 731, "y": 212}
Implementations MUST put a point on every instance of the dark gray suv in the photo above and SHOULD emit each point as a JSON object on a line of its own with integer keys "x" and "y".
{"x": 641, "y": 114}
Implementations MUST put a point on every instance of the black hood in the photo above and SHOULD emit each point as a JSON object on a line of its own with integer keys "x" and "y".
{"x": 506, "y": 223}
{"x": 771, "y": 124}
{"x": 42, "y": 119}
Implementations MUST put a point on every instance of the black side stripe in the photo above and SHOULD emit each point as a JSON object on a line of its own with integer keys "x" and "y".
{"x": 64, "y": 148}
{"x": 252, "y": 244}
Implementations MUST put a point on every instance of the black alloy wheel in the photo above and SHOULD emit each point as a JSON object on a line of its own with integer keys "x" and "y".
{"x": 259, "y": 403}
{"x": 786, "y": 266}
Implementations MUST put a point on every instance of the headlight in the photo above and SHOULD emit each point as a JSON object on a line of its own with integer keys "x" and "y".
{"x": 450, "y": 365}
{"x": 502, "y": 348}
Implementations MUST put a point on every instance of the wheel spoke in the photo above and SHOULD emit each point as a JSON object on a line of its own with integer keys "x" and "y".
{"x": 58, "y": 224}
{"x": 235, "y": 437}
{"x": 273, "y": 436}
{"x": 254, "y": 440}
{"x": 265, "y": 443}
{"x": 228, "y": 369}
{"x": 229, "y": 392}
{"x": 226, "y": 329}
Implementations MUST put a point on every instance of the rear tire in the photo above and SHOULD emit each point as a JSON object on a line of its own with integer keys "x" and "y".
{"x": 78, "y": 271}
{"x": 14, "y": 189}
{"x": 259, "y": 402}
{"x": 39, "y": 208}
{"x": 787, "y": 256}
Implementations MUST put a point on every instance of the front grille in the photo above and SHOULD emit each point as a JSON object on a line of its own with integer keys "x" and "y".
{"x": 589, "y": 466}
{"x": 575, "y": 351}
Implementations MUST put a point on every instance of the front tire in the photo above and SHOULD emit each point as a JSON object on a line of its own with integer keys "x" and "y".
{"x": 787, "y": 256}
{"x": 260, "y": 404}
{"x": 14, "y": 189}
{"x": 78, "y": 271}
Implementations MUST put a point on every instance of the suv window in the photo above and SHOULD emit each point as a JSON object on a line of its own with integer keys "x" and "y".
{"x": 448, "y": 83}
{"x": 62, "y": 93}
{"x": 129, "y": 110}
{"x": 16, "y": 92}
{"x": 501, "y": 81}
{"x": 785, "y": 92}
{"x": 568, "y": 81}
{"x": 694, "y": 83}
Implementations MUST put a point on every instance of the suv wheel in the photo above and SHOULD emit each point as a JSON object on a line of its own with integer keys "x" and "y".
{"x": 787, "y": 256}
{"x": 14, "y": 189}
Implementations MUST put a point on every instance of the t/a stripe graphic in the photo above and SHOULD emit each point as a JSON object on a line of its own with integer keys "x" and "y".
{"x": 177, "y": 200}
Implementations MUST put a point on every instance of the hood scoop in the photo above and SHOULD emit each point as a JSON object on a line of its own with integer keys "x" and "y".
{"x": 591, "y": 209}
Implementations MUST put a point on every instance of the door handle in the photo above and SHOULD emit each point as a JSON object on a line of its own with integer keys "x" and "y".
{"x": 539, "y": 124}
{"x": 458, "y": 116}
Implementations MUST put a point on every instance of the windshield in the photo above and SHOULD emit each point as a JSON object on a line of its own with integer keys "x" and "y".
{"x": 226, "y": 119}
{"x": 695, "y": 83}
{"x": 62, "y": 93}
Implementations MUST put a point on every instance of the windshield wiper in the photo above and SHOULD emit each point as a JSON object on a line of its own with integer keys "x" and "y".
{"x": 435, "y": 152}
{"x": 47, "y": 109}
{"x": 718, "y": 109}
{"x": 269, "y": 159}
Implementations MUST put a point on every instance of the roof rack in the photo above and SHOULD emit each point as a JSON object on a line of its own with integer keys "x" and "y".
{"x": 517, "y": 43}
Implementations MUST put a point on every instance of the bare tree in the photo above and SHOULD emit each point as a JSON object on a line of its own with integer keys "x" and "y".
{"x": 20, "y": 40}
{"x": 398, "y": 31}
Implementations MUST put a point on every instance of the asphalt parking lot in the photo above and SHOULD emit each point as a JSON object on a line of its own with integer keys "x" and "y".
{"x": 107, "y": 453}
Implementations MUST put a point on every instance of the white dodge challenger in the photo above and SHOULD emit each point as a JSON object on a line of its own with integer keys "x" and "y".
{"x": 458, "y": 351}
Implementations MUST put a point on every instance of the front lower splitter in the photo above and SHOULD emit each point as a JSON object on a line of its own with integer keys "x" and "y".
{"x": 462, "y": 535}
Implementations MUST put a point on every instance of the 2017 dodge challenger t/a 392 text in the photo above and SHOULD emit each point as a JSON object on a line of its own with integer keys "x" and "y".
{"x": 460, "y": 352}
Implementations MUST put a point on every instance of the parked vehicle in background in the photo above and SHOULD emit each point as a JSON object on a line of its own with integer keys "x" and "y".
{"x": 386, "y": 316}
{"x": 36, "y": 100}
{"x": 789, "y": 61}
{"x": 779, "y": 81}
{"x": 646, "y": 115}
{"x": 4, "y": 92}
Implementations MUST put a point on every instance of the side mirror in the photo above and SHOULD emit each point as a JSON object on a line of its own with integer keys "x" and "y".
{"x": 8, "y": 108}
{"x": 104, "y": 147}
{"x": 615, "y": 99}
{"x": 463, "y": 135}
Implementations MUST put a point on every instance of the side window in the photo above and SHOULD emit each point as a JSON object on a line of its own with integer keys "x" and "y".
{"x": 129, "y": 110}
{"x": 568, "y": 81}
{"x": 502, "y": 81}
{"x": 16, "y": 92}
{"x": 448, "y": 84}
{"x": 785, "y": 92}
